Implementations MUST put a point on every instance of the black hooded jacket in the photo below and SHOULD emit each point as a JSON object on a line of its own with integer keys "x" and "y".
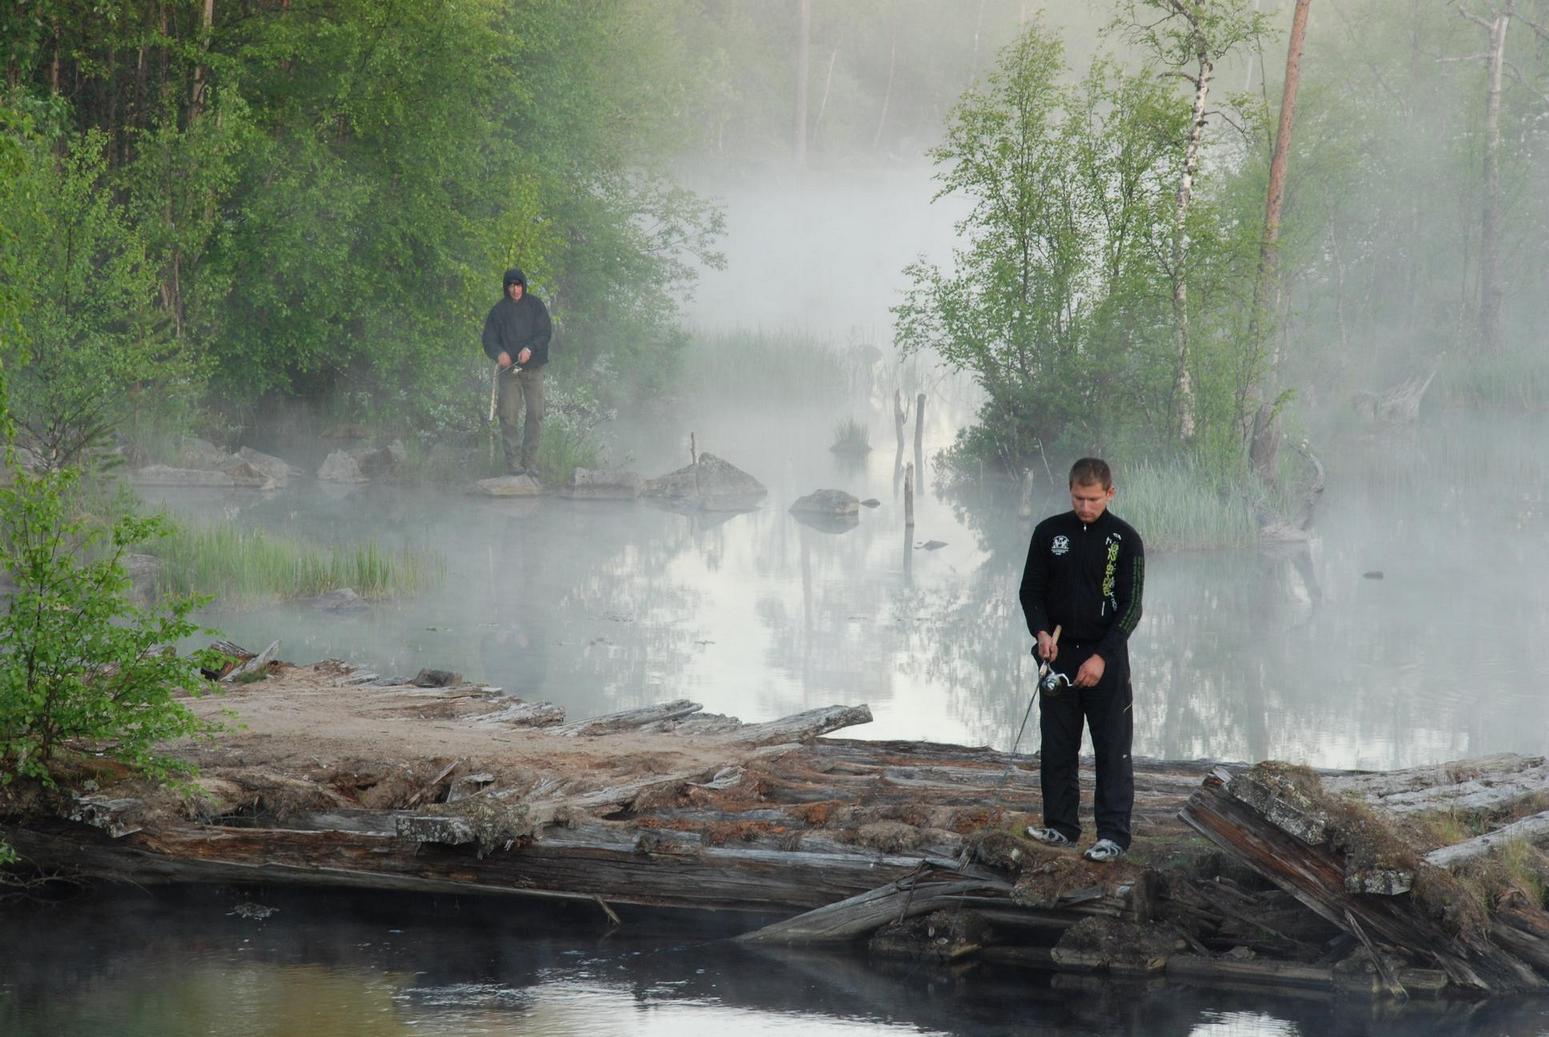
{"x": 514, "y": 326}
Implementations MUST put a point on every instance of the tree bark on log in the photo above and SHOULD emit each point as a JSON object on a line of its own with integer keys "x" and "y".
{"x": 1316, "y": 877}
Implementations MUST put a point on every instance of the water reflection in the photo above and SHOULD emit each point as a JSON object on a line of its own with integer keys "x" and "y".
{"x": 1293, "y": 652}
{"x": 338, "y": 965}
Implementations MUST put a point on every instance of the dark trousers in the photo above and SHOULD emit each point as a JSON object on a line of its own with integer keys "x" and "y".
{"x": 521, "y": 408}
{"x": 1106, "y": 709}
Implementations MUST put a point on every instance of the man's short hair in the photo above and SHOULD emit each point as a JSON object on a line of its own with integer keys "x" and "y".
{"x": 1090, "y": 471}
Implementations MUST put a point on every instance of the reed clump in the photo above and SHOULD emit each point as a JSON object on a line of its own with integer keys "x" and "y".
{"x": 851, "y": 437}
{"x": 237, "y": 565}
{"x": 1182, "y": 505}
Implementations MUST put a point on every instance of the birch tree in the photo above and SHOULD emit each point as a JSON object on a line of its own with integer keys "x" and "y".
{"x": 1188, "y": 38}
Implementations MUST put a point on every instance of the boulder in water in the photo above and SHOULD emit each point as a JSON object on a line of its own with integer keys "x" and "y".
{"x": 711, "y": 484}
{"x": 340, "y": 599}
{"x": 828, "y": 502}
{"x": 341, "y": 466}
{"x": 276, "y": 470}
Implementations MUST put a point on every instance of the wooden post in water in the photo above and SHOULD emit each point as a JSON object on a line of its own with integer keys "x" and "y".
{"x": 909, "y": 496}
{"x": 919, "y": 422}
{"x": 919, "y": 441}
{"x": 693, "y": 458}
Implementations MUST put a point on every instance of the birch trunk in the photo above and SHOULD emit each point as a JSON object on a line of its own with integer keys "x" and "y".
{"x": 1183, "y": 388}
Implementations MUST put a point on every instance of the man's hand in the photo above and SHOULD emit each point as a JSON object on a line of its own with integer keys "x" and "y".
{"x": 1048, "y": 648}
{"x": 504, "y": 360}
{"x": 1091, "y": 672}
{"x": 524, "y": 356}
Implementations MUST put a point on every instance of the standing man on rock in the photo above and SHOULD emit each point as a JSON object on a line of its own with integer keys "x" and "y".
{"x": 516, "y": 336}
{"x": 1085, "y": 572}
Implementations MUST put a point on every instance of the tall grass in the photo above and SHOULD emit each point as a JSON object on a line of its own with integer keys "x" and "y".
{"x": 247, "y": 566}
{"x": 851, "y": 437}
{"x": 1181, "y": 504}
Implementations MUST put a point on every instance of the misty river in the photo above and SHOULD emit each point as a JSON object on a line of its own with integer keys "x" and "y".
{"x": 1404, "y": 634}
{"x": 1407, "y": 632}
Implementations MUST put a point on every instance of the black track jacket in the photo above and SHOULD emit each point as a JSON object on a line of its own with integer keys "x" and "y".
{"x": 1087, "y": 579}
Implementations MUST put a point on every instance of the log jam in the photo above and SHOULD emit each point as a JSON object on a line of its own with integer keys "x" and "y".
{"x": 1272, "y": 876}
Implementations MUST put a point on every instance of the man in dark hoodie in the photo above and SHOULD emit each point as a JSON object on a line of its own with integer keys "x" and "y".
{"x": 516, "y": 336}
{"x": 1084, "y": 575}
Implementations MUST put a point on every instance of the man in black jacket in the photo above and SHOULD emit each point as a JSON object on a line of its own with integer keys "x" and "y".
{"x": 516, "y": 336}
{"x": 1085, "y": 572}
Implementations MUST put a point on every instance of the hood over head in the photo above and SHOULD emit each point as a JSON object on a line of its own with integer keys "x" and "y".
{"x": 514, "y": 276}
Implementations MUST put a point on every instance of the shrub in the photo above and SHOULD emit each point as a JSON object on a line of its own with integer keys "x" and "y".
{"x": 79, "y": 661}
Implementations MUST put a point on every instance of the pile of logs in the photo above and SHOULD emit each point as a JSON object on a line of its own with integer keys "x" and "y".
{"x": 905, "y": 848}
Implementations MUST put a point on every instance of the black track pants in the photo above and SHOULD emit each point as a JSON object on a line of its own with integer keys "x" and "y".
{"x": 1106, "y": 709}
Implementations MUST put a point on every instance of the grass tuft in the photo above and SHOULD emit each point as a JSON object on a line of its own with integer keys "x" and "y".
{"x": 1181, "y": 505}
{"x": 851, "y": 437}
{"x": 247, "y": 566}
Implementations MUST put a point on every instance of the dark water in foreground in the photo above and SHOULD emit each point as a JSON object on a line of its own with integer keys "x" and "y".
{"x": 185, "y": 962}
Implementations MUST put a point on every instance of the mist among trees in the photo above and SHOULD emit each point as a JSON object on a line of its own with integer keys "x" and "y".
{"x": 210, "y": 206}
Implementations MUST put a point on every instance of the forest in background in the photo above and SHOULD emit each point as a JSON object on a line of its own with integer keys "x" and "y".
{"x": 211, "y": 205}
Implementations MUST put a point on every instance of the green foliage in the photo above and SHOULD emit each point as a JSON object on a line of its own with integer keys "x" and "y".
{"x": 79, "y": 662}
{"x": 240, "y": 566}
{"x": 1059, "y": 303}
{"x": 1184, "y": 34}
{"x": 89, "y": 349}
{"x": 319, "y": 197}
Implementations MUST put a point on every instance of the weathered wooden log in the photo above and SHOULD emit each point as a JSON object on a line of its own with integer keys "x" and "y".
{"x": 862, "y": 915}
{"x": 254, "y": 664}
{"x": 631, "y": 719}
{"x": 801, "y": 727}
{"x": 1315, "y": 876}
{"x": 525, "y": 714}
{"x": 1529, "y": 829}
{"x": 570, "y": 865}
{"x": 1481, "y": 783}
{"x": 1263, "y": 972}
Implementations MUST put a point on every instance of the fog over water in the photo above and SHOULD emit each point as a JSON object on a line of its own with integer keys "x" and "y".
{"x": 1409, "y": 631}
{"x": 1412, "y": 628}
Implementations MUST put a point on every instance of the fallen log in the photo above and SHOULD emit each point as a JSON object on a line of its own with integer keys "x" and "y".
{"x": 802, "y": 727}
{"x": 630, "y": 719}
{"x": 861, "y": 915}
{"x": 252, "y": 665}
{"x": 1529, "y": 829}
{"x": 1315, "y": 875}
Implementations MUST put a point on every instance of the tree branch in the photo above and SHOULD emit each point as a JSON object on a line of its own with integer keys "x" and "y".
{"x": 1476, "y": 19}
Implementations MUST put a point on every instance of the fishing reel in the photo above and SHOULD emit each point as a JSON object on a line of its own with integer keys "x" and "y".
{"x": 1052, "y": 680}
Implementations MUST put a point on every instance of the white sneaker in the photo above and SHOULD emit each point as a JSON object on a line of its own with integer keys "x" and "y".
{"x": 1104, "y": 850}
{"x": 1048, "y": 836}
